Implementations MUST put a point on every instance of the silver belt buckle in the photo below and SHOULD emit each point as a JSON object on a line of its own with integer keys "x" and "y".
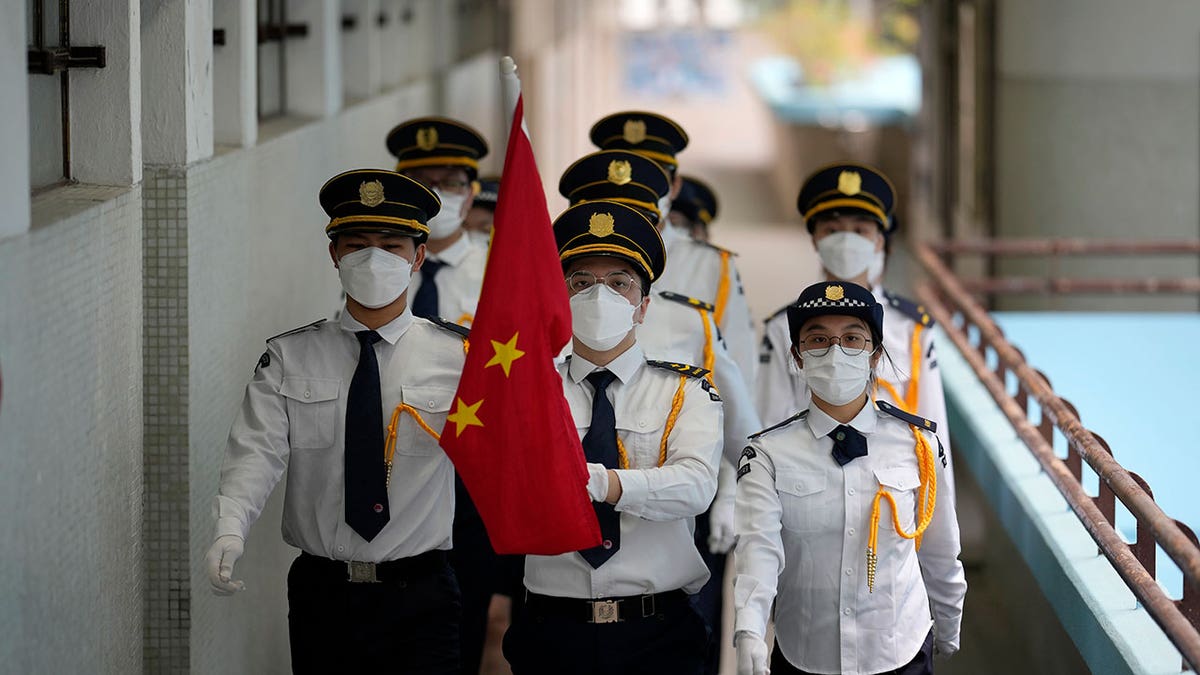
{"x": 361, "y": 572}
{"x": 605, "y": 611}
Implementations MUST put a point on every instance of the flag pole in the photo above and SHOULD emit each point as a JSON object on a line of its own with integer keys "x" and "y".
{"x": 510, "y": 91}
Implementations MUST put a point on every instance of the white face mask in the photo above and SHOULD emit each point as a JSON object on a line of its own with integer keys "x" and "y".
{"x": 374, "y": 277}
{"x": 875, "y": 269}
{"x": 449, "y": 219}
{"x": 846, "y": 255}
{"x": 837, "y": 378}
{"x": 601, "y": 317}
{"x": 671, "y": 235}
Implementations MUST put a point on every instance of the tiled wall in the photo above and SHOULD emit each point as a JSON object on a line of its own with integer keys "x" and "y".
{"x": 165, "y": 396}
{"x": 71, "y": 551}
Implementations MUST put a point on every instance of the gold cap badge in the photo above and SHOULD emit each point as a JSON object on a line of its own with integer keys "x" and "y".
{"x": 834, "y": 293}
{"x": 619, "y": 172}
{"x": 370, "y": 193}
{"x": 635, "y": 131}
{"x": 427, "y": 138}
{"x": 849, "y": 183}
{"x": 601, "y": 224}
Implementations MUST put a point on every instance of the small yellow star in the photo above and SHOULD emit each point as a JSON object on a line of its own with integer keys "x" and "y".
{"x": 506, "y": 353}
{"x": 465, "y": 416}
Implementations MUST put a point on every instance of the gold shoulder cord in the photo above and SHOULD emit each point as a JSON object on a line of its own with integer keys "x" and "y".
{"x": 912, "y": 393}
{"x": 676, "y": 406}
{"x": 926, "y": 499}
{"x": 722, "y": 289}
{"x": 389, "y": 446}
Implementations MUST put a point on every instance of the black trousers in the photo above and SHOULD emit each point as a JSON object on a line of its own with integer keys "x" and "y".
{"x": 474, "y": 564}
{"x": 670, "y": 642}
{"x": 921, "y": 664}
{"x": 708, "y": 602}
{"x": 407, "y": 623}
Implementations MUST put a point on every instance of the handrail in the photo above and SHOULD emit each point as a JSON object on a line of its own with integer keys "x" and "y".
{"x": 1066, "y": 246}
{"x": 1179, "y": 620}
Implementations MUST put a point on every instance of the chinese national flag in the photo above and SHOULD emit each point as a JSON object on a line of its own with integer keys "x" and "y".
{"x": 510, "y": 432}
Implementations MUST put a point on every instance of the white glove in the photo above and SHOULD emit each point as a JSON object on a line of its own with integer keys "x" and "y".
{"x": 944, "y": 649}
{"x": 751, "y": 655}
{"x": 597, "y": 485}
{"x": 221, "y": 557}
{"x": 722, "y": 524}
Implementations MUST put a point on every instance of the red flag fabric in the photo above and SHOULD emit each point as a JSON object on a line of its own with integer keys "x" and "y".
{"x": 509, "y": 432}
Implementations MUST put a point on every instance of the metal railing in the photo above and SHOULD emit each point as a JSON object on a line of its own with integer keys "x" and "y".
{"x": 950, "y": 304}
{"x": 1056, "y": 248}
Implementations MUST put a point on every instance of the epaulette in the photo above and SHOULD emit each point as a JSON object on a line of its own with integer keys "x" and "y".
{"x": 798, "y": 416}
{"x": 714, "y": 247}
{"x": 462, "y": 331}
{"x": 685, "y": 300}
{"x": 906, "y": 416}
{"x": 681, "y": 368}
{"x": 293, "y": 331}
{"x": 908, "y": 308}
{"x": 781, "y": 310}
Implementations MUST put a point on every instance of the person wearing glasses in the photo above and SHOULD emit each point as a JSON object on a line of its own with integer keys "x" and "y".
{"x": 444, "y": 154}
{"x": 848, "y": 209}
{"x": 651, "y": 435}
{"x": 842, "y": 524}
{"x": 684, "y": 329}
{"x": 369, "y": 510}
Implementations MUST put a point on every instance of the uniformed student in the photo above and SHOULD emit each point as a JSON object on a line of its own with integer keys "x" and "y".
{"x": 695, "y": 207}
{"x": 342, "y": 408}
{"x": 848, "y": 209}
{"x": 651, "y": 435}
{"x": 444, "y": 154}
{"x": 694, "y": 269}
{"x": 842, "y": 523}
{"x": 478, "y": 222}
{"x": 679, "y": 328}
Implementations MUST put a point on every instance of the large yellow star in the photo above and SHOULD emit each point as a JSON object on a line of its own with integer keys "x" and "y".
{"x": 465, "y": 416}
{"x": 506, "y": 353}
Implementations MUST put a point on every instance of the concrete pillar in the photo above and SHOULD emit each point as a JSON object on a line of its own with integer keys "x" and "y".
{"x": 362, "y": 75}
{"x": 177, "y": 91}
{"x": 314, "y": 70}
{"x": 14, "y": 134}
{"x": 235, "y": 73}
{"x": 106, "y": 103}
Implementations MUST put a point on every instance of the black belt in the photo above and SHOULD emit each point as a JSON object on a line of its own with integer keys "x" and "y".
{"x": 607, "y": 610}
{"x": 356, "y": 572}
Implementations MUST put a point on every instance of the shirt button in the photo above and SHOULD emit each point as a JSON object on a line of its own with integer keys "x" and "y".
{"x": 642, "y": 423}
{"x": 841, "y": 436}
{"x": 307, "y": 394}
{"x": 341, "y": 548}
{"x": 851, "y": 492}
{"x": 431, "y": 404}
{"x": 846, "y": 611}
{"x": 607, "y": 543}
{"x": 378, "y": 508}
{"x": 849, "y": 571}
{"x": 850, "y": 532}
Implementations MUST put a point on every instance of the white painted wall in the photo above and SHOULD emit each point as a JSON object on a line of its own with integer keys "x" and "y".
{"x": 106, "y": 103}
{"x": 235, "y": 114}
{"x": 14, "y": 132}
{"x": 71, "y": 440}
{"x": 176, "y": 81}
{"x": 1098, "y": 135}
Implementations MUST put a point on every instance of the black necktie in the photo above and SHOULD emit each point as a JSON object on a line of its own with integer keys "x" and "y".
{"x": 366, "y": 472}
{"x": 600, "y": 446}
{"x": 848, "y": 444}
{"x": 426, "y": 303}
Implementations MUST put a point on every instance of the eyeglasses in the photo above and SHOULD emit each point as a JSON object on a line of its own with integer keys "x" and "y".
{"x": 448, "y": 184}
{"x": 851, "y": 344}
{"x": 621, "y": 282}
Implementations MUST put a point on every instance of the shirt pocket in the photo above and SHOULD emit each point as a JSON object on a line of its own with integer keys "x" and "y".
{"x": 902, "y": 483}
{"x": 433, "y": 405}
{"x": 312, "y": 408}
{"x": 641, "y": 431}
{"x": 804, "y": 498}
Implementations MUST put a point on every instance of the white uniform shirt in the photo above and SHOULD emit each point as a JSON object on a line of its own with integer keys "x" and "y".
{"x": 458, "y": 281}
{"x": 657, "y": 504}
{"x": 782, "y": 390}
{"x": 803, "y": 526}
{"x": 293, "y": 418}
{"x": 693, "y": 269}
{"x": 674, "y": 331}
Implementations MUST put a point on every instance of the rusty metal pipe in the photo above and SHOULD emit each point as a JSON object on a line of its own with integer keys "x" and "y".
{"x": 1186, "y": 285}
{"x": 1164, "y": 611}
{"x": 1066, "y": 246}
